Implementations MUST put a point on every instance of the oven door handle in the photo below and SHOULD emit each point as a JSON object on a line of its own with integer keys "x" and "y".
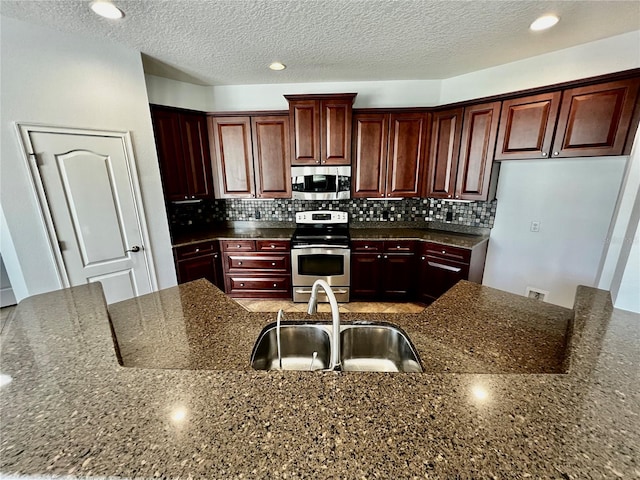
{"x": 339, "y": 292}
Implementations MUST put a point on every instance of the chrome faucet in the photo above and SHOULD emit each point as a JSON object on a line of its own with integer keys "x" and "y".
{"x": 335, "y": 317}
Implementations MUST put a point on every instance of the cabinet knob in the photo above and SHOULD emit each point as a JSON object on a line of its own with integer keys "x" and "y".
{"x": 379, "y": 256}
{"x": 398, "y": 246}
{"x": 273, "y": 246}
{"x": 273, "y": 263}
{"x": 275, "y": 284}
{"x": 186, "y": 197}
{"x": 448, "y": 196}
{"x": 382, "y": 195}
{"x": 422, "y": 258}
{"x": 197, "y": 250}
{"x": 555, "y": 154}
{"x": 215, "y": 255}
{"x": 317, "y": 161}
{"x": 444, "y": 251}
{"x": 239, "y": 263}
{"x": 193, "y": 196}
{"x": 238, "y": 246}
{"x": 366, "y": 246}
{"x": 386, "y": 256}
{"x": 242, "y": 284}
{"x": 457, "y": 196}
{"x": 544, "y": 154}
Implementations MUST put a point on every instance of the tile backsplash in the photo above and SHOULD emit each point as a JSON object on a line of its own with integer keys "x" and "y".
{"x": 473, "y": 214}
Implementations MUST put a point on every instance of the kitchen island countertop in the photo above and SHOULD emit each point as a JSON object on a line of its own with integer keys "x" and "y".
{"x": 73, "y": 409}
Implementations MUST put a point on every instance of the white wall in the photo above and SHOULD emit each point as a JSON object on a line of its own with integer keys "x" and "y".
{"x": 164, "y": 91}
{"x": 613, "y": 54}
{"x": 7, "y": 296}
{"x": 628, "y": 294}
{"x": 573, "y": 199}
{"x": 61, "y": 79}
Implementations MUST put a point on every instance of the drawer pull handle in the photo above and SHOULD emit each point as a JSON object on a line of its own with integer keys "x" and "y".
{"x": 444, "y": 252}
{"x": 275, "y": 284}
{"x": 444, "y": 267}
{"x": 239, "y": 246}
{"x": 197, "y": 250}
{"x": 366, "y": 246}
{"x": 242, "y": 284}
{"x": 273, "y": 246}
{"x": 273, "y": 263}
{"x": 239, "y": 263}
{"x": 398, "y": 246}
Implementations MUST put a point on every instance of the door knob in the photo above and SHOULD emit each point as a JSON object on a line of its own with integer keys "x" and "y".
{"x": 133, "y": 249}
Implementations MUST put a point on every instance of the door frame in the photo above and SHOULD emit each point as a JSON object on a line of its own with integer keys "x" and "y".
{"x": 23, "y": 130}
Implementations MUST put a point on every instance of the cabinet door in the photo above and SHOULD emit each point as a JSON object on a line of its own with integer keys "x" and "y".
{"x": 271, "y": 160}
{"x": 406, "y": 154}
{"x": 366, "y": 269}
{"x": 233, "y": 156}
{"x": 526, "y": 126}
{"x": 595, "y": 120}
{"x": 207, "y": 266}
{"x": 166, "y": 127}
{"x": 439, "y": 275}
{"x": 475, "y": 164}
{"x": 305, "y": 131}
{"x": 398, "y": 276}
{"x": 335, "y": 132}
{"x": 197, "y": 157}
{"x": 370, "y": 139}
{"x": 446, "y": 129}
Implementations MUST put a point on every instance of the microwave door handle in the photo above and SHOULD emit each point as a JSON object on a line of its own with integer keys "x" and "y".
{"x": 337, "y": 183}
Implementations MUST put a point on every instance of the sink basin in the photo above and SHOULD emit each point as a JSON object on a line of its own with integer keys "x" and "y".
{"x": 297, "y": 345}
{"x": 377, "y": 348}
{"x": 364, "y": 347}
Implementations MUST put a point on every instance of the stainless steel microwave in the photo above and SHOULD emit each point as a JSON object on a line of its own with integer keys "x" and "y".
{"x": 321, "y": 183}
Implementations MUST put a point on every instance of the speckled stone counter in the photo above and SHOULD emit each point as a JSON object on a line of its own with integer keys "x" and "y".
{"x": 439, "y": 236}
{"x": 72, "y": 409}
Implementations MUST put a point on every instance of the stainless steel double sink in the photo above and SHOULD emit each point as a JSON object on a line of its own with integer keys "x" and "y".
{"x": 364, "y": 347}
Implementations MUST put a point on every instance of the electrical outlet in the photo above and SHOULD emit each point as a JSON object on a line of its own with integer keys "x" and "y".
{"x": 449, "y": 216}
{"x": 385, "y": 214}
{"x": 258, "y": 215}
{"x": 535, "y": 226}
{"x": 536, "y": 293}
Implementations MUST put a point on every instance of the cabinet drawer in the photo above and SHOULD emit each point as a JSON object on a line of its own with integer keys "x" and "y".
{"x": 276, "y": 286}
{"x": 257, "y": 262}
{"x": 399, "y": 246}
{"x": 446, "y": 251}
{"x": 196, "y": 250}
{"x": 365, "y": 246}
{"x": 238, "y": 245}
{"x": 273, "y": 245}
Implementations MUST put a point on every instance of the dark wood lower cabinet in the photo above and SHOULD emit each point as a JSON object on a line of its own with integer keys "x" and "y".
{"x": 382, "y": 270}
{"x": 201, "y": 260}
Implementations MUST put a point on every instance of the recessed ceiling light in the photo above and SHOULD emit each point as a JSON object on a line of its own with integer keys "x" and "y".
{"x": 277, "y": 66}
{"x": 107, "y": 10}
{"x": 544, "y": 22}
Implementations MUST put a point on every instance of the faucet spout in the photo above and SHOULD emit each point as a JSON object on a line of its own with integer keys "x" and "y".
{"x": 335, "y": 317}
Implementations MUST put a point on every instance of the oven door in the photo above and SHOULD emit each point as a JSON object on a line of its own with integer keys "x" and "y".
{"x": 331, "y": 264}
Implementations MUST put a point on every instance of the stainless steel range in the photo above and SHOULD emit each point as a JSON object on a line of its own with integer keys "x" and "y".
{"x": 320, "y": 250}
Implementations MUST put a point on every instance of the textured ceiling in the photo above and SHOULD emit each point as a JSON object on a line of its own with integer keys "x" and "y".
{"x": 217, "y": 42}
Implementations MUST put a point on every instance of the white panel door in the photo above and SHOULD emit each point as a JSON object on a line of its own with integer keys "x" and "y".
{"x": 91, "y": 201}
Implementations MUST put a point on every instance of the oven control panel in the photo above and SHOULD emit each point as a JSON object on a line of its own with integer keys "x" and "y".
{"x": 322, "y": 216}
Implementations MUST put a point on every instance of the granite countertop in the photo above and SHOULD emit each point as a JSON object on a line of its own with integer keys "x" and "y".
{"x": 188, "y": 405}
{"x": 463, "y": 240}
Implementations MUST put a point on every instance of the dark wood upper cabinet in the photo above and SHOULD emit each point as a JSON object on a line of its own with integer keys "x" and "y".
{"x": 320, "y": 129}
{"x": 183, "y": 153}
{"x": 446, "y": 131}
{"x": 476, "y": 176}
{"x": 527, "y": 126}
{"x": 407, "y": 138}
{"x": 588, "y": 121}
{"x": 389, "y": 154}
{"x": 233, "y": 157}
{"x": 272, "y": 162}
{"x": 370, "y": 142}
{"x": 251, "y": 156}
{"x": 595, "y": 120}
{"x": 461, "y": 155}
{"x": 195, "y": 143}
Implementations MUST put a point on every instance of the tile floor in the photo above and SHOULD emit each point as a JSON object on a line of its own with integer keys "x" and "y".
{"x": 354, "y": 307}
